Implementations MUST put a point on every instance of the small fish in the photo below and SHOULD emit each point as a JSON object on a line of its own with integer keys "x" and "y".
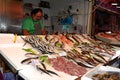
{"x": 31, "y": 55}
{"x": 48, "y": 37}
{"x": 28, "y": 60}
{"x": 98, "y": 58}
{"x": 101, "y": 57}
{"x": 73, "y": 39}
{"x": 80, "y": 61}
{"x": 52, "y": 72}
{"x": 43, "y": 65}
{"x": 83, "y": 63}
{"x": 49, "y": 71}
{"x": 77, "y": 39}
{"x": 45, "y": 71}
{"x": 69, "y": 36}
{"x": 24, "y": 44}
{"x": 25, "y": 39}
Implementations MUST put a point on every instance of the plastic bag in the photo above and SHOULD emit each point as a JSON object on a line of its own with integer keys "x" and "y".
{"x": 8, "y": 76}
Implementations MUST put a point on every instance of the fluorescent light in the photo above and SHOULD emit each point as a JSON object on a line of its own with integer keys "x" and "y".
{"x": 114, "y": 4}
{"x": 117, "y": 6}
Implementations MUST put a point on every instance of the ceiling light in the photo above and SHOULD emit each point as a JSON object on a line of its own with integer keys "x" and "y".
{"x": 114, "y": 4}
{"x": 117, "y": 6}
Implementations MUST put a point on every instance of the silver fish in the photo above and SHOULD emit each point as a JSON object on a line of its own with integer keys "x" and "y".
{"x": 78, "y": 60}
{"x": 98, "y": 58}
{"x": 82, "y": 63}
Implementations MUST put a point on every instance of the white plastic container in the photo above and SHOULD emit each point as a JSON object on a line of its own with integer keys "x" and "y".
{"x": 98, "y": 69}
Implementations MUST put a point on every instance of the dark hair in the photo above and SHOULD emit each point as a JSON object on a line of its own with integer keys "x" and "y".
{"x": 34, "y": 11}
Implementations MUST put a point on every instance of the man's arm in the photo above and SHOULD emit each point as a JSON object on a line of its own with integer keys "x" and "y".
{"x": 43, "y": 31}
{"x": 25, "y": 32}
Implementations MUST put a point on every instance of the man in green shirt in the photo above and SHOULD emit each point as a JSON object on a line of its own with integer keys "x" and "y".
{"x": 33, "y": 25}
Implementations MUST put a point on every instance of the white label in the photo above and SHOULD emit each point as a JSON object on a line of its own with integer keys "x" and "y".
{"x": 62, "y": 53}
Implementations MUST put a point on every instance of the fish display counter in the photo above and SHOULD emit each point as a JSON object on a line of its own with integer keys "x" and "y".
{"x": 11, "y": 52}
{"x": 51, "y": 57}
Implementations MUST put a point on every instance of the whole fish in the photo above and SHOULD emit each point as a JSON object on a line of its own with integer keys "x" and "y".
{"x": 45, "y": 71}
{"x": 49, "y": 72}
{"x": 43, "y": 65}
{"x": 78, "y": 60}
{"x": 31, "y": 55}
{"x": 98, "y": 58}
{"x": 48, "y": 37}
{"x": 82, "y": 62}
{"x": 28, "y": 60}
{"x": 52, "y": 72}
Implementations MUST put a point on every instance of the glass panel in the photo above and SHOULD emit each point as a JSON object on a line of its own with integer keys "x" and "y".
{"x": 11, "y": 15}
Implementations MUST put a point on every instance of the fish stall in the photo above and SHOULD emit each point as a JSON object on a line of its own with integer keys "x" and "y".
{"x": 58, "y": 56}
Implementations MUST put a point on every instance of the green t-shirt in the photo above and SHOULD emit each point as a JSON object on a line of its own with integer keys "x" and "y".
{"x": 28, "y": 24}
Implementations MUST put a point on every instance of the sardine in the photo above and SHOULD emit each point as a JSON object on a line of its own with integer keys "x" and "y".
{"x": 31, "y": 55}
{"x": 98, "y": 58}
{"x": 52, "y": 72}
{"x": 77, "y": 39}
{"x": 82, "y": 63}
{"x": 43, "y": 65}
{"x": 101, "y": 57}
{"x": 79, "y": 60}
{"x": 48, "y": 37}
{"x": 87, "y": 60}
{"x": 69, "y": 36}
{"x": 45, "y": 71}
{"x": 49, "y": 71}
{"x": 28, "y": 60}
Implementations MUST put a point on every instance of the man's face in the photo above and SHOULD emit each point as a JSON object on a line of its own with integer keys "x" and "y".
{"x": 37, "y": 16}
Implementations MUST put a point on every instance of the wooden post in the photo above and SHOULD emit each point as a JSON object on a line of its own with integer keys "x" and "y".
{"x": 89, "y": 21}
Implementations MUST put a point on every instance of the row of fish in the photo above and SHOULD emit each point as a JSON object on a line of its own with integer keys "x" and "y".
{"x": 80, "y": 48}
{"x": 36, "y": 42}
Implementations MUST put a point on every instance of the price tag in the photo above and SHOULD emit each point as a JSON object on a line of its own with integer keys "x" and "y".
{"x": 35, "y": 62}
{"x": 62, "y": 53}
